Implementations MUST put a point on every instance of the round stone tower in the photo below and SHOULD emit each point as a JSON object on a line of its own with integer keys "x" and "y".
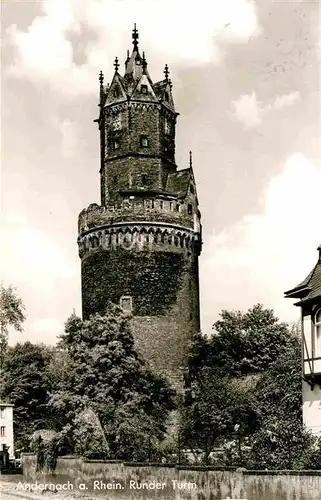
{"x": 140, "y": 247}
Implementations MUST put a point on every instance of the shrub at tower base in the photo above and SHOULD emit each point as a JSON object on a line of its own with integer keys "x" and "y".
{"x": 110, "y": 405}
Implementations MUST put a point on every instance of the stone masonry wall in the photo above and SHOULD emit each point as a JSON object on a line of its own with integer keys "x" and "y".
{"x": 205, "y": 483}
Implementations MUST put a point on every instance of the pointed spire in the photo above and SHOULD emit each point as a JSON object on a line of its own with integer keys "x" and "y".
{"x": 135, "y": 37}
{"x": 101, "y": 78}
{"x": 166, "y": 72}
{"x": 116, "y": 64}
{"x": 127, "y": 59}
{"x": 101, "y": 88}
{"x": 190, "y": 159}
{"x": 144, "y": 63}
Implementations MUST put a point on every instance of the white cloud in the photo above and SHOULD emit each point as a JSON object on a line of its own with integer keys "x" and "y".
{"x": 286, "y": 100}
{"x": 248, "y": 110}
{"x": 39, "y": 269}
{"x": 68, "y": 135}
{"x": 263, "y": 255}
{"x": 177, "y": 29}
{"x": 28, "y": 257}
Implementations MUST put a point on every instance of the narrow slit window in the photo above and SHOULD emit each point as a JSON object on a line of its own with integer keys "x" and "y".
{"x": 189, "y": 209}
{"x": 2, "y": 431}
{"x": 126, "y": 303}
{"x": 143, "y": 89}
{"x": 144, "y": 141}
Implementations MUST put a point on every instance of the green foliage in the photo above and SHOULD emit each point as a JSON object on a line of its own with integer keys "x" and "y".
{"x": 46, "y": 446}
{"x": 262, "y": 402}
{"x": 279, "y": 444}
{"x": 248, "y": 342}
{"x": 89, "y": 437}
{"x": 311, "y": 456}
{"x": 27, "y": 386}
{"x": 11, "y": 310}
{"x": 107, "y": 377}
{"x": 219, "y": 409}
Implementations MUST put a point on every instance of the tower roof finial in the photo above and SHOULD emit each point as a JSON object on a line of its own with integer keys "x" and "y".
{"x": 144, "y": 63}
{"x": 116, "y": 64}
{"x": 166, "y": 72}
{"x": 135, "y": 37}
{"x": 190, "y": 159}
{"x": 101, "y": 78}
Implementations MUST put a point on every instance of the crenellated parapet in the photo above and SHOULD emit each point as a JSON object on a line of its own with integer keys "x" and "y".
{"x": 142, "y": 210}
{"x": 140, "y": 237}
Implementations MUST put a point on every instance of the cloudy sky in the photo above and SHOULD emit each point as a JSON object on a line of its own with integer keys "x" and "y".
{"x": 246, "y": 79}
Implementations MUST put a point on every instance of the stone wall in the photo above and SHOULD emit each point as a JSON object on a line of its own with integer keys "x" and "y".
{"x": 163, "y": 287}
{"x": 122, "y": 480}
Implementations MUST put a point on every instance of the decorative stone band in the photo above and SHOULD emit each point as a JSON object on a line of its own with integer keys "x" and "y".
{"x": 140, "y": 236}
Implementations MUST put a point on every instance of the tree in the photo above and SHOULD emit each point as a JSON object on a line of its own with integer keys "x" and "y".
{"x": 256, "y": 347}
{"x": 219, "y": 407}
{"x": 26, "y": 384}
{"x": 11, "y": 311}
{"x": 245, "y": 343}
{"x": 106, "y": 376}
{"x": 281, "y": 440}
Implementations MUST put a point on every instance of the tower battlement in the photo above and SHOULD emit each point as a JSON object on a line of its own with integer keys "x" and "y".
{"x": 139, "y": 248}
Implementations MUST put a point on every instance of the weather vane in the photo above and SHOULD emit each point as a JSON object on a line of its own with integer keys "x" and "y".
{"x": 135, "y": 37}
{"x": 166, "y": 72}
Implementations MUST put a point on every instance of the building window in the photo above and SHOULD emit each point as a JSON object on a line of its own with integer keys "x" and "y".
{"x": 189, "y": 209}
{"x": 171, "y": 205}
{"x": 177, "y": 207}
{"x": 2, "y": 431}
{"x": 317, "y": 338}
{"x": 144, "y": 179}
{"x": 144, "y": 141}
{"x": 192, "y": 189}
{"x": 143, "y": 89}
{"x": 167, "y": 127}
{"x": 126, "y": 303}
{"x": 2, "y": 413}
{"x": 117, "y": 122}
{"x": 116, "y": 92}
{"x": 161, "y": 204}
